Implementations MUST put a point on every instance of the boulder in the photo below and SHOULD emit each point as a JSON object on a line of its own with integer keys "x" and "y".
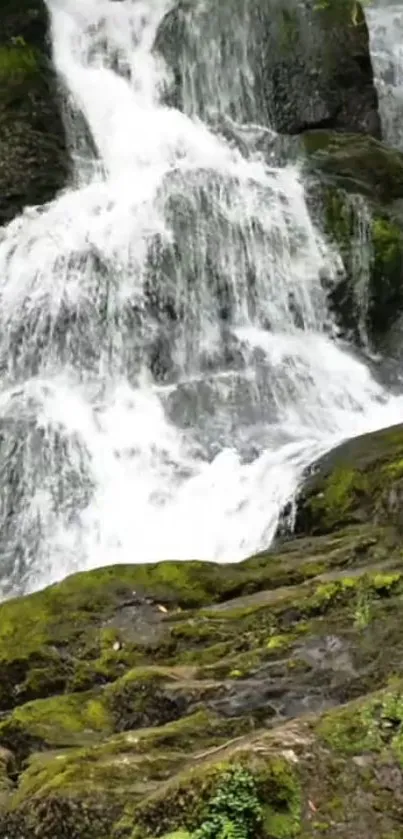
{"x": 34, "y": 162}
{"x": 359, "y": 481}
{"x": 290, "y": 65}
{"x": 357, "y": 194}
{"x": 188, "y": 697}
{"x": 360, "y": 164}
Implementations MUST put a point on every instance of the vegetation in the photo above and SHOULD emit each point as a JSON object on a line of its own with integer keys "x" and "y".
{"x": 17, "y": 60}
{"x": 234, "y": 811}
{"x": 142, "y": 700}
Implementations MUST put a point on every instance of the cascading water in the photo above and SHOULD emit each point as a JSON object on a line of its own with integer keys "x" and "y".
{"x": 168, "y": 363}
{"x": 385, "y": 21}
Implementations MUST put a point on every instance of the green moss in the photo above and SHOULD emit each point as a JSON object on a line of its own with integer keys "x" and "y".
{"x": 339, "y": 219}
{"x": 394, "y": 470}
{"x": 356, "y": 483}
{"x": 8, "y": 771}
{"x": 363, "y": 610}
{"x": 199, "y": 731}
{"x": 254, "y": 793}
{"x": 58, "y": 721}
{"x": 92, "y": 616}
{"x": 279, "y": 642}
{"x": 179, "y": 834}
{"x": 280, "y": 790}
{"x": 353, "y": 591}
{"x": 374, "y": 724}
{"x": 148, "y": 746}
{"x": 339, "y": 491}
{"x": 313, "y": 568}
{"x": 385, "y": 286}
{"x": 140, "y": 698}
{"x": 17, "y": 61}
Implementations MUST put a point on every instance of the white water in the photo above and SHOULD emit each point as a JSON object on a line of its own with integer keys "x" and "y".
{"x": 169, "y": 365}
{"x": 385, "y": 20}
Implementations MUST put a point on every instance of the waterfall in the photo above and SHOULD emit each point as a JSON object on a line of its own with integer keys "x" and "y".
{"x": 169, "y": 365}
{"x": 385, "y": 21}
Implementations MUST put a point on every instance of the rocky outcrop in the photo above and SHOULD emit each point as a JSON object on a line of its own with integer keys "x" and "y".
{"x": 358, "y": 191}
{"x": 33, "y": 158}
{"x": 289, "y": 65}
{"x": 263, "y": 697}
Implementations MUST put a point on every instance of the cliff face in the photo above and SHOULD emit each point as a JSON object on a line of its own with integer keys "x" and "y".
{"x": 262, "y": 698}
{"x": 33, "y": 158}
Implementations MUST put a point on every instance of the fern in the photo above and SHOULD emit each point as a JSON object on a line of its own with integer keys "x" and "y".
{"x": 234, "y": 812}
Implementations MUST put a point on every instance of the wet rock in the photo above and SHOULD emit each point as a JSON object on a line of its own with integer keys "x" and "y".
{"x": 358, "y": 204}
{"x": 290, "y": 66}
{"x": 361, "y": 164}
{"x": 359, "y": 481}
{"x": 34, "y": 164}
{"x": 129, "y": 695}
{"x": 45, "y": 469}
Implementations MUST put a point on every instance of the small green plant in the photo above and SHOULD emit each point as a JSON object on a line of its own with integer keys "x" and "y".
{"x": 234, "y": 812}
{"x": 363, "y": 610}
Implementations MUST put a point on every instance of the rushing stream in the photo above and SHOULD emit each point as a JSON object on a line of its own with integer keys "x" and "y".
{"x": 169, "y": 366}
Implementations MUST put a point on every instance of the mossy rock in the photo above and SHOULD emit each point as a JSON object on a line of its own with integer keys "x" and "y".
{"x": 360, "y": 163}
{"x": 368, "y": 301}
{"x": 32, "y": 137}
{"x": 93, "y": 627}
{"x": 329, "y": 775}
{"x": 357, "y": 198}
{"x": 359, "y": 481}
{"x": 148, "y": 700}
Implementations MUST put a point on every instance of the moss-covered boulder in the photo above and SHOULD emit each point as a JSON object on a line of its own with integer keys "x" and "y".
{"x": 262, "y": 699}
{"x": 359, "y": 163}
{"x": 359, "y": 481}
{"x": 32, "y": 140}
{"x": 358, "y": 191}
{"x": 291, "y": 65}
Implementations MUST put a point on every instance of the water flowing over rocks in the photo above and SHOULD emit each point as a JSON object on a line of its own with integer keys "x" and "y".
{"x": 189, "y": 333}
{"x": 130, "y": 695}
{"x": 176, "y": 311}
{"x": 291, "y": 65}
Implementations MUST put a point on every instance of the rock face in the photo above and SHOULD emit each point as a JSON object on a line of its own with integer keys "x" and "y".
{"x": 33, "y": 158}
{"x": 291, "y": 65}
{"x": 257, "y": 700}
{"x": 359, "y": 192}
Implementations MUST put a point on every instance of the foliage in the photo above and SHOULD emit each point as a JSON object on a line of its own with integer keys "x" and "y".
{"x": 234, "y": 812}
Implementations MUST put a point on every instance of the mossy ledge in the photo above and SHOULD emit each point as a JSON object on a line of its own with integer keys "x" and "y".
{"x": 261, "y": 700}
